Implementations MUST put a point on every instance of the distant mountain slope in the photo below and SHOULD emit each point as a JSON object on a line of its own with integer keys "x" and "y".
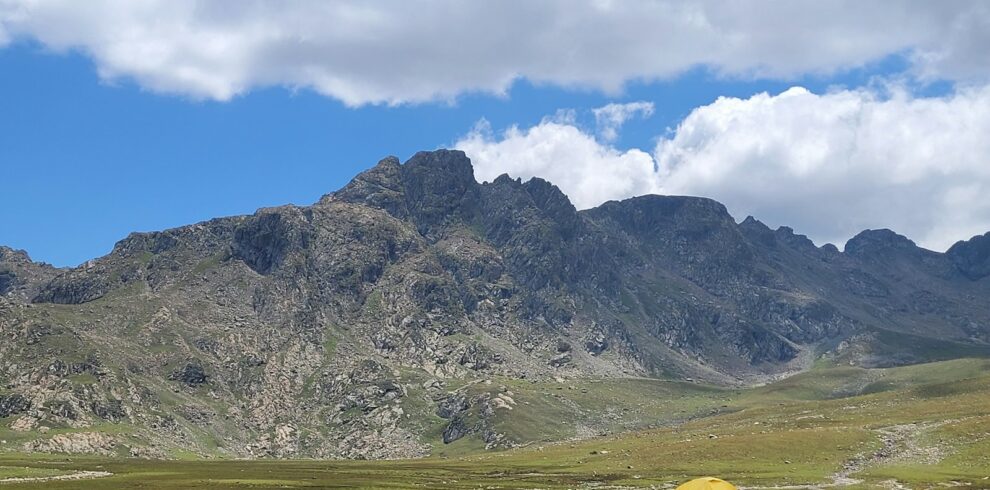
{"x": 342, "y": 329}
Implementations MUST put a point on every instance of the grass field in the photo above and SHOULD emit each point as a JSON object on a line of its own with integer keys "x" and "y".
{"x": 7, "y": 472}
{"x": 923, "y": 426}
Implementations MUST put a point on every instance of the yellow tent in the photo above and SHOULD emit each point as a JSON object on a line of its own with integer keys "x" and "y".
{"x": 707, "y": 483}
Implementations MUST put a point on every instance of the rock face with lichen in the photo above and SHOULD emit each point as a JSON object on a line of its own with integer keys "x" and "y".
{"x": 333, "y": 330}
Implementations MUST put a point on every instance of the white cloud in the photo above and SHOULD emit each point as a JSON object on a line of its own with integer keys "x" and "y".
{"x": 589, "y": 172}
{"x": 828, "y": 165}
{"x": 399, "y": 51}
{"x": 611, "y": 117}
{"x": 837, "y": 163}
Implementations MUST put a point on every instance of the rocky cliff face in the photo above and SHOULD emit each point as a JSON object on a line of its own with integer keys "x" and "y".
{"x": 20, "y": 277}
{"x": 341, "y": 329}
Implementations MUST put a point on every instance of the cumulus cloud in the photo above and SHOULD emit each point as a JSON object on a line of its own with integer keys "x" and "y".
{"x": 834, "y": 164}
{"x": 398, "y": 51}
{"x": 829, "y": 165}
{"x": 611, "y": 117}
{"x": 564, "y": 155}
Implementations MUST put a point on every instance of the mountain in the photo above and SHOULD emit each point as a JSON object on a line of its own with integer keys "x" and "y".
{"x": 353, "y": 328}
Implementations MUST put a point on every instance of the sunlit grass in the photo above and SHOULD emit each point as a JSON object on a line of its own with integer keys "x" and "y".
{"x": 798, "y": 431}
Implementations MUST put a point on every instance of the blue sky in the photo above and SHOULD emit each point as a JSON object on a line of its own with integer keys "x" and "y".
{"x": 88, "y": 157}
{"x": 94, "y": 161}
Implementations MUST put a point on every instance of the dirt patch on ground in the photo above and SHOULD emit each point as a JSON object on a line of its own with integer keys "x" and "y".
{"x": 79, "y": 475}
{"x": 899, "y": 444}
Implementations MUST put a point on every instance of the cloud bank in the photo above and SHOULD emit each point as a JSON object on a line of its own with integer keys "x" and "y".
{"x": 829, "y": 165}
{"x": 398, "y": 51}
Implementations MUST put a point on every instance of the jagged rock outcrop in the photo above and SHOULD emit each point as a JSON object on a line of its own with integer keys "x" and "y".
{"x": 20, "y": 277}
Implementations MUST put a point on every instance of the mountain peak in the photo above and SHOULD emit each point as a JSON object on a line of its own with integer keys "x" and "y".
{"x": 453, "y": 164}
{"x": 378, "y": 187}
{"x": 439, "y": 187}
{"x": 8, "y": 254}
{"x": 651, "y": 209}
{"x": 750, "y": 221}
{"x": 313, "y": 315}
{"x": 758, "y": 231}
{"x": 972, "y": 257}
{"x": 869, "y": 242}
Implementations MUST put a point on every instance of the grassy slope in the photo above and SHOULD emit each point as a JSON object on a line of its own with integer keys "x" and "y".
{"x": 800, "y": 430}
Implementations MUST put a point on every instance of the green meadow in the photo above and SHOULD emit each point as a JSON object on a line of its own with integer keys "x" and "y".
{"x": 922, "y": 426}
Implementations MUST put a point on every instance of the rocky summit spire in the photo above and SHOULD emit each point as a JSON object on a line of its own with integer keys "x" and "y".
{"x": 440, "y": 187}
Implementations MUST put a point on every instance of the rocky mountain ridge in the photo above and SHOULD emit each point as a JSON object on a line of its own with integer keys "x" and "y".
{"x": 352, "y": 327}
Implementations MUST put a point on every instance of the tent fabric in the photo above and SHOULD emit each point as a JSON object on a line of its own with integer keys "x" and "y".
{"x": 707, "y": 483}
